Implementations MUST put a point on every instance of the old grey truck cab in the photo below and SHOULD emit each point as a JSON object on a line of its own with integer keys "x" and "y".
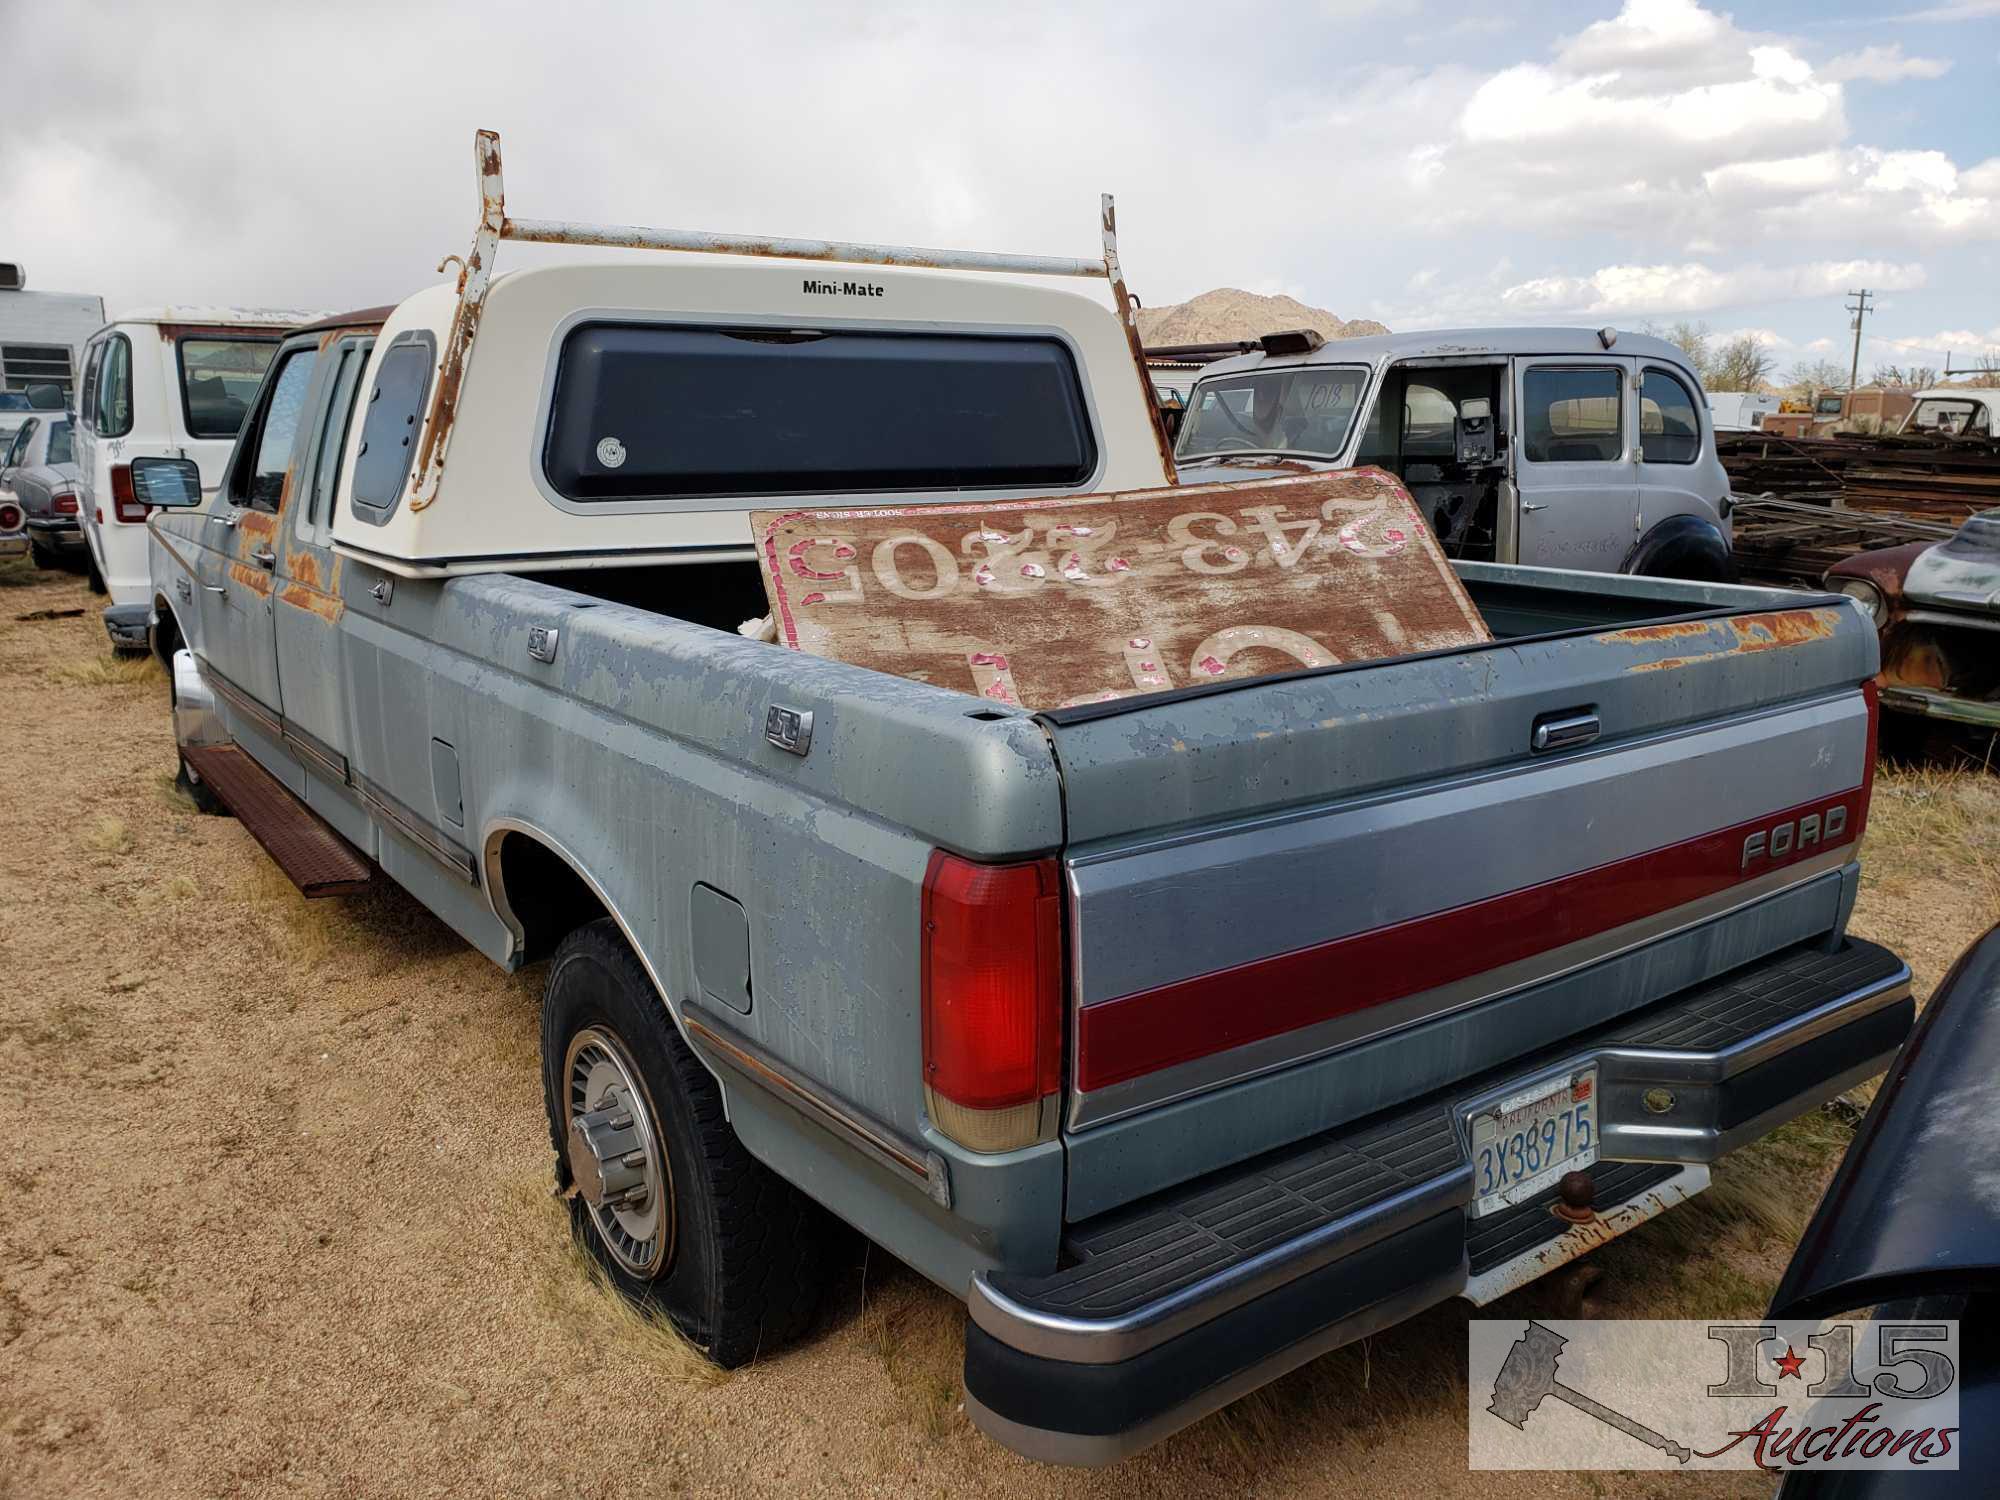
{"x": 1183, "y": 1035}
{"x": 1556, "y": 447}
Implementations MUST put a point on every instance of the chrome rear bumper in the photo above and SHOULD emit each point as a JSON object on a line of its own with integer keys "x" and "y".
{"x": 1177, "y": 1305}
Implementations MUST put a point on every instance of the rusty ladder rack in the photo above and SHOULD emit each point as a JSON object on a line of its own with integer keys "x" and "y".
{"x": 476, "y": 272}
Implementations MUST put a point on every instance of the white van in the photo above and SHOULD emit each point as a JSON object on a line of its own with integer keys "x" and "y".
{"x": 170, "y": 382}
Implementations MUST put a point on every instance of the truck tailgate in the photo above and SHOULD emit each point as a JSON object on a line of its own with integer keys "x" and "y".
{"x": 1295, "y": 901}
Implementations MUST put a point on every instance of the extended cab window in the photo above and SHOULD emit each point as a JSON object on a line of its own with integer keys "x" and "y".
{"x": 1573, "y": 415}
{"x": 1309, "y": 409}
{"x": 263, "y": 484}
{"x": 643, "y": 412}
{"x": 219, "y": 379}
{"x": 1669, "y": 430}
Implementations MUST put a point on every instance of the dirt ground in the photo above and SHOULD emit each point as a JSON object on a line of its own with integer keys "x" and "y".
{"x": 274, "y": 1212}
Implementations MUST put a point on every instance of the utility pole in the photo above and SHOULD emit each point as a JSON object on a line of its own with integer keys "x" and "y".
{"x": 1859, "y": 307}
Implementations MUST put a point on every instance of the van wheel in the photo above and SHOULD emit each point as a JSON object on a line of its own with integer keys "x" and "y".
{"x": 679, "y": 1215}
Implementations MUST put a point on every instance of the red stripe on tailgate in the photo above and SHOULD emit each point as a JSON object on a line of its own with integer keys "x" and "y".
{"x": 1190, "y": 1018}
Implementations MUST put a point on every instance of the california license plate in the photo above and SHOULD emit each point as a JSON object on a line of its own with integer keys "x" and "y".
{"x": 1530, "y": 1139}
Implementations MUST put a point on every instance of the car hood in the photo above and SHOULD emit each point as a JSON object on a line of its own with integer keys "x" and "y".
{"x": 1914, "y": 1210}
{"x": 1963, "y": 573}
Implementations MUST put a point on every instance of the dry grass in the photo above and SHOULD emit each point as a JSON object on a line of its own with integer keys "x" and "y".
{"x": 106, "y": 834}
{"x": 573, "y": 1292}
{"x": 306, "y": 933}
{"x": 108, "y": 670}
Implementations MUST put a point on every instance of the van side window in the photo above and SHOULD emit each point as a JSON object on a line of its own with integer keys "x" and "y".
{"x": 263, "y": 486}
{"x": 1669, "y": 430}
{"x": 1573, "y": 414}
{"x": 86, "y": 405}
{"x": 112, "y": 412}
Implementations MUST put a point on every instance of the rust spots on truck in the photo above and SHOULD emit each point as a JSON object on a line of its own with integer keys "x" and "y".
{"x": 254, "y": 579}
{"x": 1739, "y": 635}
{"x": 473, "y": 276}
{"x": 308, "y": 590}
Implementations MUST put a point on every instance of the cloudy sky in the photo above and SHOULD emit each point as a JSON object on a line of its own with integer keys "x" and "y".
{"x": 1427, "y": 164}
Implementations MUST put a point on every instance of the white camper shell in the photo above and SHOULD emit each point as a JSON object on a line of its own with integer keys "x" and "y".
{"x": 561, "y": 415}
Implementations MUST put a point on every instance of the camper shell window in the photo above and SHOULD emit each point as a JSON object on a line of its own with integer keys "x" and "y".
{"x": 659, "y": 413}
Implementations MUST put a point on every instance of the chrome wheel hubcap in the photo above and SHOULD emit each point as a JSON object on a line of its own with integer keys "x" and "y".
{"x": 615, "y": 1153}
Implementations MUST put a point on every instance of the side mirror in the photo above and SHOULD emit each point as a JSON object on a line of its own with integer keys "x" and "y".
{"x": 166, "y": 483}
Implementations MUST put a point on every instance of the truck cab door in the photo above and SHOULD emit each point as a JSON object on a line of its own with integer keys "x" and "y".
{"x": 311, "y": 582}
{"x": 240, "y": 561}
{"x": 1574, "y": 445}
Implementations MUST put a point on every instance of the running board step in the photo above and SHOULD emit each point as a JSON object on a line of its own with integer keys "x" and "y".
{"x": 315, "y": 858}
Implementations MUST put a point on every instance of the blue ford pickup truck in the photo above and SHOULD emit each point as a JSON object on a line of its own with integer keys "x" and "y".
{"x": 1184, "y": 1036}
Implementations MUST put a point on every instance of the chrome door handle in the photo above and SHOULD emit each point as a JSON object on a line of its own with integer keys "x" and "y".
{"x": 1564, "y": 731}
{"x": 213, "y": 588}
{"x": 228, "y": 518}
{"x": 265, "y": 558}
{"x": 1530, "y": 505}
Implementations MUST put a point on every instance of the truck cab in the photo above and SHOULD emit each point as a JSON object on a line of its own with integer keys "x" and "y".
{"x": 1555, "y": 447}
{"x": 1954, "y": 411}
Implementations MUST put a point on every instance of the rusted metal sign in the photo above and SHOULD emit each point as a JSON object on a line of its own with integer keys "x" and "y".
{"x": 1051, "y": 603}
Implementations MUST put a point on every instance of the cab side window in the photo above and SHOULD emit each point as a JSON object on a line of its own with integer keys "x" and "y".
{"x": 330, "y": 443}
{"x": 111, "y": 411}
{"x": 261, "y": 482}
{"x": 1573, "y": 414}
{"x": 1669, "y": 429}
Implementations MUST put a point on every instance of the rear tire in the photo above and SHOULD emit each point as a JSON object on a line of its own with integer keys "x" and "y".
{"x": 731, "y": 1253}
{"x": 46, "y": 558}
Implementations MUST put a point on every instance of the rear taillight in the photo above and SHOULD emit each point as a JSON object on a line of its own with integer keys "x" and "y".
{"x": 992, "y": 1000}
{"x": 63, "y": 503}
{"x": 124, "y": 504}
{"x": 10, "y": 517}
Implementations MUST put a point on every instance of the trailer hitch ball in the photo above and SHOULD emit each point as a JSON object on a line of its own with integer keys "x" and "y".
{"x": 607, "y": 1155}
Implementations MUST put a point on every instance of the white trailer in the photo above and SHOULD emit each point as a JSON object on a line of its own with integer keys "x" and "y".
{"x": 1739, "y": 411}
{"x": 42, "y": 334}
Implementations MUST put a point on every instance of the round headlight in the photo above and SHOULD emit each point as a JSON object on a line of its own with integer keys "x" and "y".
{"x": 1869, "y": 597}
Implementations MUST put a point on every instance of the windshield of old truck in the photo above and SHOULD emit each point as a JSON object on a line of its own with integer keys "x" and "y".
{"x": 1961, "y": 416}
{"x": 1307, "y": 410}
{"x": 219, "y": 379}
